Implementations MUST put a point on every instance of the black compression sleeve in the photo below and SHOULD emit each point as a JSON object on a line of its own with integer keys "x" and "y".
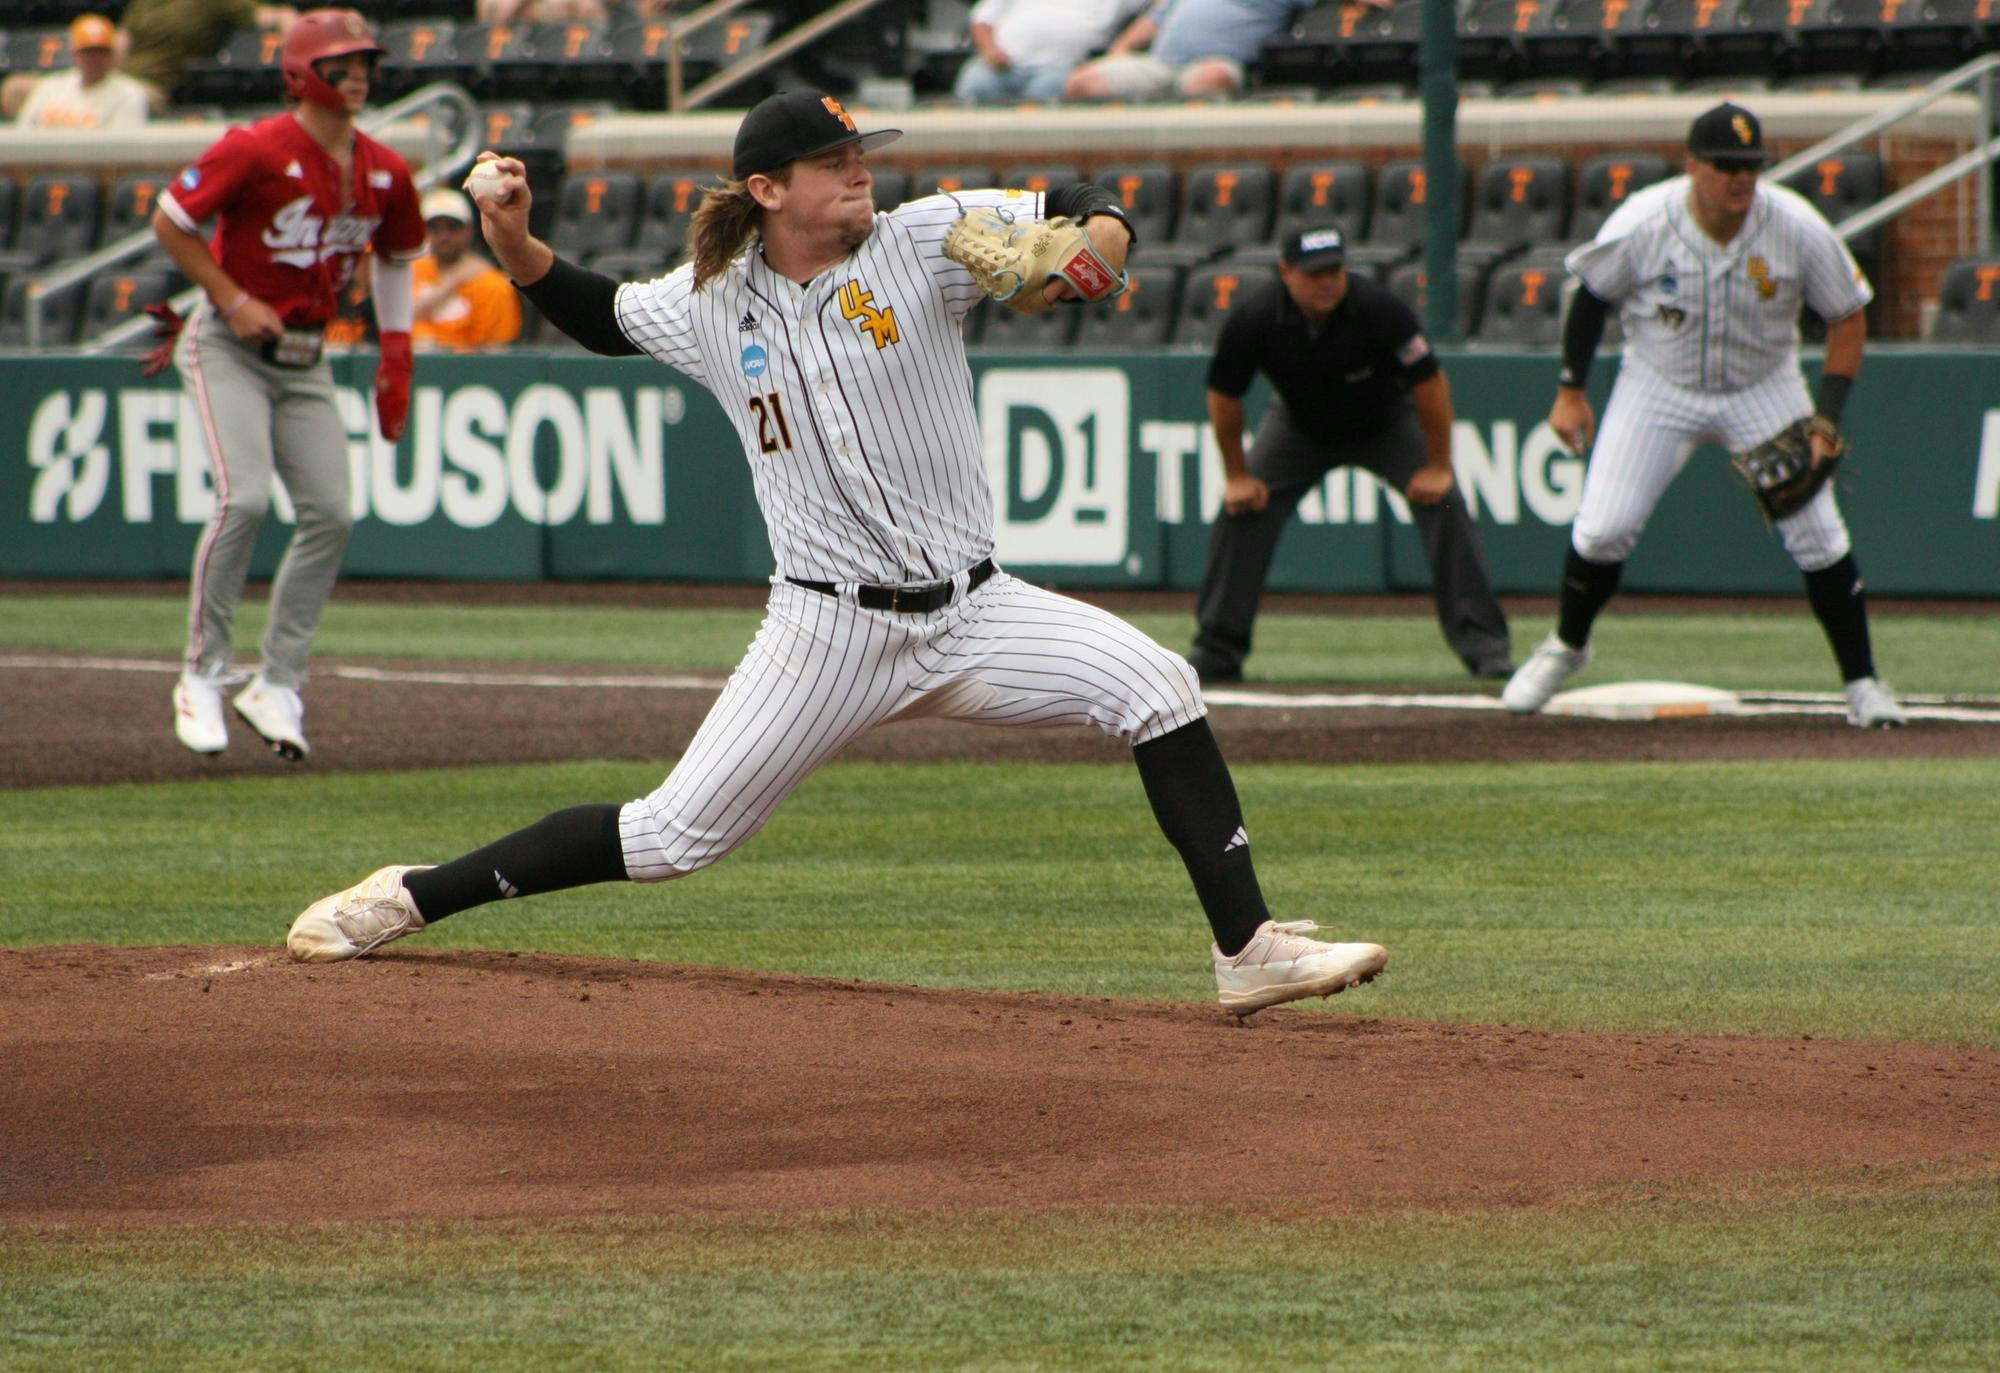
{"x": 583, "y": 304}
{"x": 1833, "y": 389}
{"x": 1581, "y": 333}
{"x": 1081, "y": 198}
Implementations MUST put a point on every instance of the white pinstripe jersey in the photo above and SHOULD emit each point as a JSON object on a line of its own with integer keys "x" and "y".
{"x": 851, "y": 394}
{"x": 1713, "y": 316}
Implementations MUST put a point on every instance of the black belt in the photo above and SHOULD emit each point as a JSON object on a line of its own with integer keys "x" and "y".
{"x": 905, "y": 600}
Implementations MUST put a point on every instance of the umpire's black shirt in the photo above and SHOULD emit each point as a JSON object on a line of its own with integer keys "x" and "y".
{"x": 1348, "y": 378}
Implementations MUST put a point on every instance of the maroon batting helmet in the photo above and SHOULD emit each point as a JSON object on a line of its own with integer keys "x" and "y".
{"x": 314, "y": 36}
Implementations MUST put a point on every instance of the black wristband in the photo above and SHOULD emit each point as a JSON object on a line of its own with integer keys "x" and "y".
{"x": 1833, "y": 389}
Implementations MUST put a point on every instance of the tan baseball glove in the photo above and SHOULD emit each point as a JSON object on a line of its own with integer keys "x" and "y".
{"x": 1014, "y": 259}
{"x": 1782, "y": 472}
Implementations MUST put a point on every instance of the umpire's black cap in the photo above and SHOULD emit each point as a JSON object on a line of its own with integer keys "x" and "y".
{"x": 1729, "y": 132}
{"x": 794, "y": 124}
{"x": 1314, "y": 248}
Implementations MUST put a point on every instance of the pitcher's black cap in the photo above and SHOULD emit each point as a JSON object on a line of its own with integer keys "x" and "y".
{"x": 1728, "y": 131}
{"x": 794, "y": 124}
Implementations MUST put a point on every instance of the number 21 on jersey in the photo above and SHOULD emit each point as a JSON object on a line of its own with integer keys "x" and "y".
{"x": 774, "y": 431}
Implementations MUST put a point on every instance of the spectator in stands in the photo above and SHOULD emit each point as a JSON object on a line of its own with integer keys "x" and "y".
{"x": 1026, "y": 49}
{"x": 166, "y": 35}
{"x": 540, "y": 11}
{"x": 1188, "y": 48}
{"x": 93, "y": 94}
{"x": 463, "y": 301}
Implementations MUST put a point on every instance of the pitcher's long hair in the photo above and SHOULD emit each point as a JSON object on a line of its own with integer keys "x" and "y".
{"x": 723, "y": 223}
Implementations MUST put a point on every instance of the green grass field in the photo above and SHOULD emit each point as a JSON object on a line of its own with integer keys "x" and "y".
{"x": 1843, "y": 899}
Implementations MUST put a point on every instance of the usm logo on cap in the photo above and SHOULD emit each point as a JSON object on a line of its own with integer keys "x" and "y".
{"x": 839, "y": 111}
{"x": 1743, "y": 133}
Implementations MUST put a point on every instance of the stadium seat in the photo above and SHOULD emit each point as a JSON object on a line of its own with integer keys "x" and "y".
{"x": 1935, "y": 35}
{"x": 597, "y": 211}
{"x": 244, "y": 72}
{"x": 933, "y": 180}
{"x": 508, "y": 126}
{"x": 1381, "y": 45}
{"x": 1756, "y": 37}
{"x": 37, "y": 50}
{"x": 555, "y": 123}
{"x": 1142, "y": 317}
{"x": 1044, "y": 176}
{"x": 60, "y": 312}
{"x": 892, "y": 186}
{"x": 1841, "y": 185}
{"x": 639, "y": 54}
{"x": 1410, "y": 283}
{"x": 58, "y": 218}
{"x": 1847, "y": 37}
{"x": 128, "y": 206}
{"x": 1207, "y": 298}
{"x": 1604, "y": 181}
{"x": 418, "y": 52}
{"x": 115, "y": 297}
{"x": 1305, "y": 54}
{"x": 1491, "y": 34}
{"x": 1523, "y": 307}
{"x": 1578, "y": 40}
{"x": 576, "y": 60}
{"x": 671, "y": 198}
{"x": 725, "y": 41}
{"x": 1225, "y": 204}
{"x": 1401, "y": 198}
{"x": 1048, "y": 332}
{"x": 1147, "y": 191}
{"x": 1314, "y": 193}
{"x": 1969, "y": 303}
{"x": 1519, "y": 201}
{"x": 1671, "y": 40}
{"x": 499, "y": 60}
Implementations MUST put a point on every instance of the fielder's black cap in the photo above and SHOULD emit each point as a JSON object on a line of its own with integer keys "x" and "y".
{"x": 1730, "y": 132}
{"x": 1314, "y": 248}
{"x": 794, "y": 124}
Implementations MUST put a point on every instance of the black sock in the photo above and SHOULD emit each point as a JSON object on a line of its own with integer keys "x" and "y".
{"x": 568, "y": 848}
{"x": 1837, "y": 599}
{"x": 1195, "y": 803}
{"x": 1586, "y": 587}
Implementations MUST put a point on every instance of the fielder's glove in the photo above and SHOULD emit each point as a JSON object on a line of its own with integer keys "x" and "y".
{"x": 1014, "y": 259}
{"x": 1782, "y": 472}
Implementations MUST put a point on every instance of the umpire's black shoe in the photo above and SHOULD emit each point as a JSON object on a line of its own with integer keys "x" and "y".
{"x": 1214, "y": 672}
{"x": 1496, "y": 669}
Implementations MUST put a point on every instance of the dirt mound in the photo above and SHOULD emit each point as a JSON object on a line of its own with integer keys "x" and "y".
{"x": 183, "y": 1085}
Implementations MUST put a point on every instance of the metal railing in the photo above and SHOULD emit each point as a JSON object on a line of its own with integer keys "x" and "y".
{"x": 436, "y": 166}
{"x": 1978, "y": 162}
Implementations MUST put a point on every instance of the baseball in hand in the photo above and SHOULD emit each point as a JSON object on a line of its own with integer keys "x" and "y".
{"x": 484, "y": 180}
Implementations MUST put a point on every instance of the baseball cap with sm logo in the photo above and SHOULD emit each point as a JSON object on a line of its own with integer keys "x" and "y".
{"x": 794, "y": 124}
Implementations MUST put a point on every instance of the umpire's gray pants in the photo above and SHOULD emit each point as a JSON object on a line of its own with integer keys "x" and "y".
{"x": 257, "y": 420}
{"x": 1291, "y": 463}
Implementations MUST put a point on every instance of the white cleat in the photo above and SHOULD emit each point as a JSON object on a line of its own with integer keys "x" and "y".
{"x": 198, "y": 719}
{"x": 277, "y": 714}
{"x": 1554, "y": 661}
{"x": 1871, "y": 705}
{"x": 357, "y": 921}
{"x": 1280, "y": 964}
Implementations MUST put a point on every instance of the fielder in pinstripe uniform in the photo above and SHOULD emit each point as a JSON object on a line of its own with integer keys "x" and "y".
{"x": 297, "y": 198}
{"x": 1708, "y": 271}
{"x": 831, "y": 336}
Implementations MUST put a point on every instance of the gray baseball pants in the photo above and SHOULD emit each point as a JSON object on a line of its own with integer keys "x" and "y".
{"x": 1291, "y": 463}
{"x": 256, "y": 420}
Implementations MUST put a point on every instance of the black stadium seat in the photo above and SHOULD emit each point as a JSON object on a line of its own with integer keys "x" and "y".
{"x": 1410, "y": 283}
{"x": 671, "y": 198}
{"x": 60, "y": 312}
{"x": 576, "y": 60}
{"x": 892, "y": 186}
{"x": 1147, "y": 192}
{"x": 1048, "y": 332}
{"x": 935, "y": 180}
{"x": 1520, "y": 201}
{"x": 417, "y": 52}
{"x": 1841, "y": 185}
{"x": 1224, "y": 204}
{"x": 498, "y": 60}
{"x": 723, "y": 42}
{"x": 1491, "y": 37}
{"x": 597, "y": 212}
{"x": 1672, "y": 39}
{"x": 1969, "y": 303}
{"x": 1523, "y": 306}
{"x": 128, "y": 206}
{"x": 1041, "y": 176}
{"x": 1141, "y": 317}
{"x": 1207, "y": 298}
{"x": 1603, "y": 183}
{"x": 1318, "y": 193}
{"x": 58, "y": 218}
{"x": 1402, "y": 196}
{"x": 115, "y": 297}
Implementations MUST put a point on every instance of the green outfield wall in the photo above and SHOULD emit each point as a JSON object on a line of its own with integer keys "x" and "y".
{"x": 564, "y": 466}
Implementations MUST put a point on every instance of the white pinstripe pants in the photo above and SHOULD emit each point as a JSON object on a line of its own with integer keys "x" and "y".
{"x": 1652, "y": 426}
{"x": 822, "y": 671}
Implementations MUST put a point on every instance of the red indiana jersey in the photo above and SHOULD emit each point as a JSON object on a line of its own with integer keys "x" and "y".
{"x": 282, "y": 232}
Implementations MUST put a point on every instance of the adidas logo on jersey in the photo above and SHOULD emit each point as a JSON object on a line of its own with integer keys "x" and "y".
{"x": 747, "y": 323}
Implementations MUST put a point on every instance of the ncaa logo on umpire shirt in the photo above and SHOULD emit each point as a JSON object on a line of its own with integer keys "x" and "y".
{"x": 755, "y": 361}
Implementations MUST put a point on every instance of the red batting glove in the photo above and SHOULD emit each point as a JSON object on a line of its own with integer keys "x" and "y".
{"x": 166, "y": 328}
{"x": 392, "y": 386}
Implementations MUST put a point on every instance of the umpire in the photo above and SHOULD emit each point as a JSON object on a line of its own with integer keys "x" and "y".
{"x": 1357, "y": 385}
